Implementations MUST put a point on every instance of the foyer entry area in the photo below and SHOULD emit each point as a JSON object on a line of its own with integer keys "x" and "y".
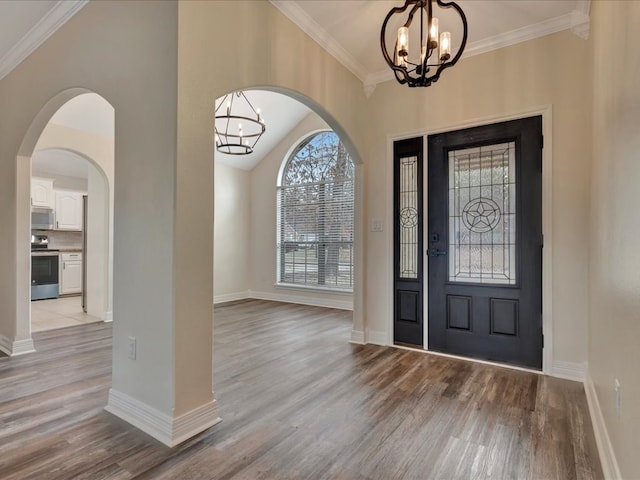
{"x": 483, "y": 264}
{"x": 298, "y": 401}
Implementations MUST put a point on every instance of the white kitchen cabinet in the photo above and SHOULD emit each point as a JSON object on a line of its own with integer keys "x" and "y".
{"x": 70, "y": 273}
{"x": 68, "y": 210}
{"x": 41, "y": 192}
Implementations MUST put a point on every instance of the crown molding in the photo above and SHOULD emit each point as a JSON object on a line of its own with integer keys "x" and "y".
{"x": 583, "y": 6}
{"x": 378, "y": 77}
{"x": 580, "y": 24}
{"x": 577, "y": 21}
{"x": 524, "y": 34}
{"x": 62, "y": 11}
{"x": 297, "y": 15}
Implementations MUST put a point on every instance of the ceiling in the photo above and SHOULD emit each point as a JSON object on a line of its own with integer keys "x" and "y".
{"x": 54, "y": 162}
{"x": 25, "y": 25}
{"x": 88, "y": 112}
{"x": 348, "y": 29}
{"x": 280, "y": 114}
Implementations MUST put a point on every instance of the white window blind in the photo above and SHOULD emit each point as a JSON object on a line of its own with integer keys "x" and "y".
{"x": 315, "y": 215}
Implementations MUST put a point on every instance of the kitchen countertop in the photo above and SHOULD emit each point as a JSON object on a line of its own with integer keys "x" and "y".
{"x": 70, "y": 250}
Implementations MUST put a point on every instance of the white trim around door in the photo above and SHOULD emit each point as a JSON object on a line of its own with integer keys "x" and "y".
{"x": 546, "y": 112}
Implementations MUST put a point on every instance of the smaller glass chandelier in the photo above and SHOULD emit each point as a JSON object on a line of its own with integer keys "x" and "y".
{"x": 238, "y": 126}
{"x": 434, "y": 54}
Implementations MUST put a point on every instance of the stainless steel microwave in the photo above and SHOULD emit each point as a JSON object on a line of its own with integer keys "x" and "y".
{"x": 42, "y": 219}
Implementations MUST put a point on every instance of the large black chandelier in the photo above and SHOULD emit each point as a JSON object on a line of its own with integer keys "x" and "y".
{"x": 426, "y": 63}
{"x": 238, "y": 125}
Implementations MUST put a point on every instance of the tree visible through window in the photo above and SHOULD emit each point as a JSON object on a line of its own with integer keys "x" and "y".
{"x": 315, "y": 215}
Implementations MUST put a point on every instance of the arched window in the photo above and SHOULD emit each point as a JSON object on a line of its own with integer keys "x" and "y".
{"x": 315, "y": 215}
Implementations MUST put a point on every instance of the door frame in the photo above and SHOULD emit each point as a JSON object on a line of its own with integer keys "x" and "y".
{"x": 546, "y": 111}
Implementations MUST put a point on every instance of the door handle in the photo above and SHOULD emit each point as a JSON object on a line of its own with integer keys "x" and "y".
{"x": 434, "y": 252}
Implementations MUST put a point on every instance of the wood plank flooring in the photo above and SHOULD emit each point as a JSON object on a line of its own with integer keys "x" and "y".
{"x": 297, "y": 401}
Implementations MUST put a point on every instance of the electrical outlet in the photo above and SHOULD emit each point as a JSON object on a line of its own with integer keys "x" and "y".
{"x": 131, "y": 348}
{"x": 618, "y": 397}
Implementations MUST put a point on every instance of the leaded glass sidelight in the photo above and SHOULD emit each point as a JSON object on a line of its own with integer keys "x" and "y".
{"x": 408, "y": 217}
{"x": 482, "y": 215}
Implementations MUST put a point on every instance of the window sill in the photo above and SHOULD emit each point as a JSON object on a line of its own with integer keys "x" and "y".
{"x": 293, "y": 286}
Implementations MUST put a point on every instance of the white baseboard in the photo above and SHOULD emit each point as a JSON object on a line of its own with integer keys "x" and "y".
{"x": 17, "y": 347}
{"x": 20, "y": 347}
{"x": 569, "y": 370}
{"x": 107, "y": 316}
{"x": 167, "y": 429}
{"x": 340, "y": 304}
{"x": 230, "y": 297}
{"x": 608, "y": 460}
{"x": 357, "y": 336}
{"x": 377, "y": 337}
{"x": 6, "y": 345}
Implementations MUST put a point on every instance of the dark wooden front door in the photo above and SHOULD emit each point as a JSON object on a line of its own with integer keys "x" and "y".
{"x": 485, "y": 242}
{"x": 407, "y": 239}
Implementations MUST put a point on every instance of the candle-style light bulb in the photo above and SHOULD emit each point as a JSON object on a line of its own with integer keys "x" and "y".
{"x": 445, "y": 46}
{"x": 403, "y": 41}
{"x": 433, "y": 33}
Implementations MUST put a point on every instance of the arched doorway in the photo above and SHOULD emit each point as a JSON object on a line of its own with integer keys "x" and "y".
{"x": 42, "y": 136}
{"x": 248, "y": 183}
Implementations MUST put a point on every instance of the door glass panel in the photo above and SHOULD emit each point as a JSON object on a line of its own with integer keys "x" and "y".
{"x": 482, "y": 215}
{"x": 408, "y": 217}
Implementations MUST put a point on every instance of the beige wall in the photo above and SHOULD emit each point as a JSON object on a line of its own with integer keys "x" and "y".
{"x": 126, "y": 52}
{"x": 614, "y": 327}
{"x": 245, "y": 228}
{"x": 232, "y": 233}
{"x": 156, "y": 63}
{"x": 264, "y": 177}
{"x": 550, "y": 70}
{"x": 99, "y": 248}
{"x": 266, "y": 42}
{"x": 63, "y": 182}
{"x": 129, "y": 52}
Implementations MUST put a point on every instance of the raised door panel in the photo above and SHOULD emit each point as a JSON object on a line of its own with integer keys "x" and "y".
{"x": 68, "y": 210}
{"x": 485, "y": 220}
{"x": 41, "y": 192}
{"x": 71, "y": 277}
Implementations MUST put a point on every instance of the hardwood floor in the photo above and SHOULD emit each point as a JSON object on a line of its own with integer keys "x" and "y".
{"x": 297, "y": 401}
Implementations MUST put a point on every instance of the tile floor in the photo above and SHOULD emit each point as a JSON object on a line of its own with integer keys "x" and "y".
{"x": 58, "y": 313}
